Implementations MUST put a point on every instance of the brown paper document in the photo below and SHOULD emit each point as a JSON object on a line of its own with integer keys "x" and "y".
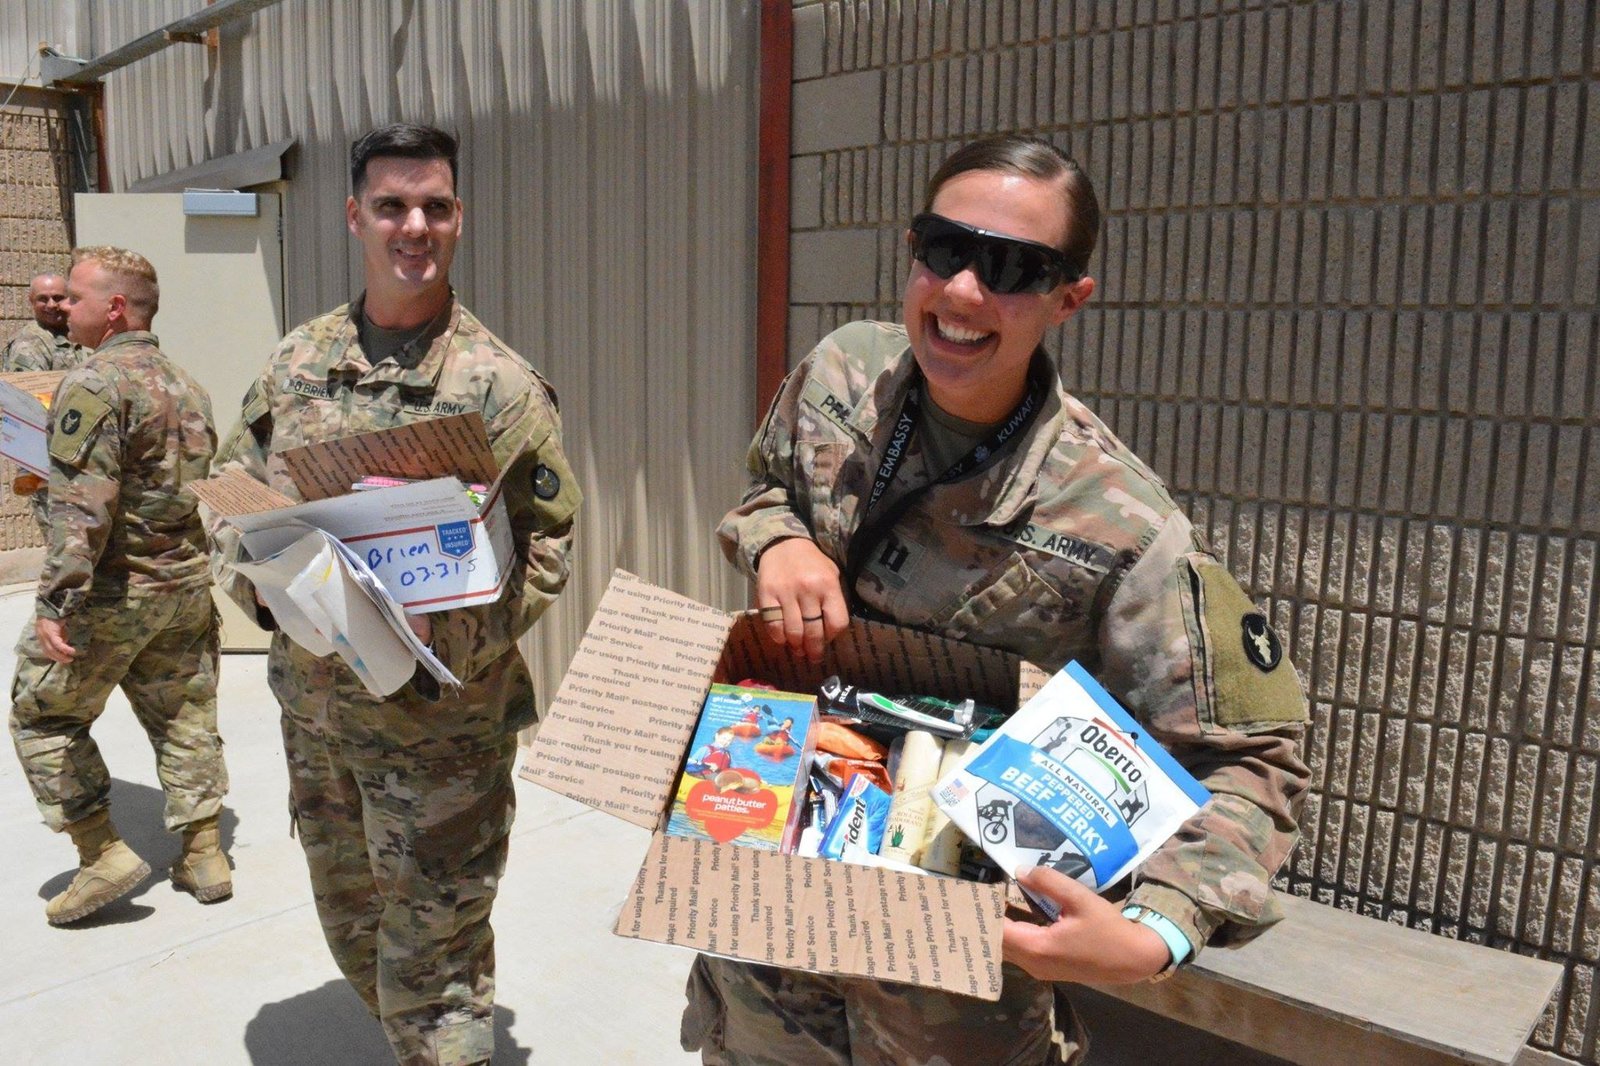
{"x": 234, "y": 493}
{"x": 454, "y": 446}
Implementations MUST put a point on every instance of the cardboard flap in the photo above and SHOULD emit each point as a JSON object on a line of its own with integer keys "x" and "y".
{"x": 232, "y": 493}
{"x": 764, "y": 907}
{"x": 453, "y": 446}
{"x": 614, "y": 736}
{"x": 878, "y": 657}
{"x": 39, "y": 385}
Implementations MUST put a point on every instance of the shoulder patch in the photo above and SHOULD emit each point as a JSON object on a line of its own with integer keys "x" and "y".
{"x": 1250, "y": 681}
{"x": 832, "y": 408}
{"x": 78, "y": 415}
{"x": 555, "y": 490}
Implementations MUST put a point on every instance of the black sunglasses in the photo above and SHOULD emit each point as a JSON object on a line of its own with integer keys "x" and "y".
{"x": 1005, "y": 265}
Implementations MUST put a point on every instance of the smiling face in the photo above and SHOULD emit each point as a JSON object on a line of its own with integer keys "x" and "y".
{"x": 48, "y": 298}
{"x": 972, "y": 345}
{"x": 407, "y": 219}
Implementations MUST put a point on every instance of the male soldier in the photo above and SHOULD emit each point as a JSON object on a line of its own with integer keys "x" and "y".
{"x": 124, "y": 597}
{"x": 44, "y": 344}
{"x": 404, "y": 804}
{"x": 938, "y": 474}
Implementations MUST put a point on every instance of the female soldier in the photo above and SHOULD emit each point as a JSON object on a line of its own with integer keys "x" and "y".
{"x": 937, "y": 475}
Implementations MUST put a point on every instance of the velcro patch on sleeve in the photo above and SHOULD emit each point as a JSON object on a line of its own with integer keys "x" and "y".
{"x": 1252, "y": 681}
{"x": 77, "y": 415}
{"x": 555, "y": 489}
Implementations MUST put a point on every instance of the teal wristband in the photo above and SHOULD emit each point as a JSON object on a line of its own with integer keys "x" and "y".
{"x": 1171, "y": 935}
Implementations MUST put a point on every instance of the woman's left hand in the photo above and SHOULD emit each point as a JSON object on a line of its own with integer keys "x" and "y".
{"x": 1090, "y": 943}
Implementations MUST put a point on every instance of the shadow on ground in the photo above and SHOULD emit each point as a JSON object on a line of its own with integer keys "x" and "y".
{"x": 331, "y": 1024}
{"x": 136, "y": 811}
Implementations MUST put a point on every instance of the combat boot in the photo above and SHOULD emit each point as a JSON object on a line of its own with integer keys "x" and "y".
{"x": 202, "y": 868}
{"x": 107, "y": 870}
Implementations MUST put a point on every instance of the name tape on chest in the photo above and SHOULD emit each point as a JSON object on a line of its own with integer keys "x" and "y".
{"x": 1084, "y": 553}
{"x": 315, "y": 389}
{"x": 832, "y": 408}
{"x": 321, "y": 390}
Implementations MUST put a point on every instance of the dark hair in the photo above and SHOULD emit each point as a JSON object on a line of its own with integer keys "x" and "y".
{"x": 401, "y": 139}
{"x": 1031, "y": 157}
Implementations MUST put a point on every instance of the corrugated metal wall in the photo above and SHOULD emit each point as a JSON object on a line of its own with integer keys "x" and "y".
{"x": 1348, "y": 310}
{"x": 24, "y": 26}
{"x": 608, "y": 176}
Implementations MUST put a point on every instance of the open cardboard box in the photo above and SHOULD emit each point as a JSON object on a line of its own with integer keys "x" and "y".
{"x": 614, "y": 738}
{"x": 429, "y": 544}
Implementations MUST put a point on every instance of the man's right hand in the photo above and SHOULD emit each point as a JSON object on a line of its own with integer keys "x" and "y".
{"x": 26, "y": 484}
{"x": 795, "y": 576}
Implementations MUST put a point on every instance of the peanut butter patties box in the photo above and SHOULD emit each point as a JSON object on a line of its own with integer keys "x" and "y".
{"x": 616, "y": 737}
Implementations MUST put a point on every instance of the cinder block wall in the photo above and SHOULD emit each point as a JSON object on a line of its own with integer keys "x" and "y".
{"x": 1348, "y": 311}
{"x": 35, "y": 236}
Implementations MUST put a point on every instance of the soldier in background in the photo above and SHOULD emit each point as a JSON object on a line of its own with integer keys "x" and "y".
{"x": 938, "y": 475}
{"x": 124, "y": 597}
{"x": 404, "y": 804}
{"x": 44, "y": 344}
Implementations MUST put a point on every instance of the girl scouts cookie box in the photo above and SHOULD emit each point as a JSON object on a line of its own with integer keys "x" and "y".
{"x": 748, "y": 756}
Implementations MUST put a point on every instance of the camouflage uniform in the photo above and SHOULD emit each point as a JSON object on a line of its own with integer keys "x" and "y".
{"x": 36, "y": 348}
{"x": 1065, "y": 546}
{"x": 126, "y": 573}
{"x": 404, "y": 803}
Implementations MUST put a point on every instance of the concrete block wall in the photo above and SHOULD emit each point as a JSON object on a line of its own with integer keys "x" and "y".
{"x": 1347, "y": 309}
{"x": 35, "y": 235}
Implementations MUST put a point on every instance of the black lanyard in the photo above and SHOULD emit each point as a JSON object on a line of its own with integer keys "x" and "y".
{"x": 873, "y": 528}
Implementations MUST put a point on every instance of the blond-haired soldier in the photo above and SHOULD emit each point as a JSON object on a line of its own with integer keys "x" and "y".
{"x": 124, "y": 597}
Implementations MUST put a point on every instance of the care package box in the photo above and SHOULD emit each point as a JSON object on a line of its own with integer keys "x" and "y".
{"x": 24, "y": 419}
{"x": 620, "y": 729}
{"x": 428, "y": 542}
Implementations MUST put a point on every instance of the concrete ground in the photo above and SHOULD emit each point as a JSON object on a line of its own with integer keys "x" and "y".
{"x": 157, "y": 978}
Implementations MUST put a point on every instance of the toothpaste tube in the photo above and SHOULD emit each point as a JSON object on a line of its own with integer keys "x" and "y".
{"x": 858, "y": 823}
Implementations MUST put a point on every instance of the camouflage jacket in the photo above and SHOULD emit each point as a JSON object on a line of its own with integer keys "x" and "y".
{"x": 318, "y": 385}
{"x": 129, "y": 430}
{"x": 36, "y": 348}
{"x": 1064, "y": 546}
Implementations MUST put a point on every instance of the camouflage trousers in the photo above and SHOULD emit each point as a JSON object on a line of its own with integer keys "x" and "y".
{"x": 741, "y": 1014}
{"x": 405, "y": 857}
{"x": 161, "y": 648}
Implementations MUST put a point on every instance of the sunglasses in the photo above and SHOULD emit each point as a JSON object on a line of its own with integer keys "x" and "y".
{"x": 1005, "y": 265}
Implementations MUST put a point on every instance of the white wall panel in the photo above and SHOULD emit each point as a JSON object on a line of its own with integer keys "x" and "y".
{"x": 609, "y": 178}
{"x": 25, "y": 25}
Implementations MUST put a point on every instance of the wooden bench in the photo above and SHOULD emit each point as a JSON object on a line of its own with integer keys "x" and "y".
{"x": 1326, "y": 986}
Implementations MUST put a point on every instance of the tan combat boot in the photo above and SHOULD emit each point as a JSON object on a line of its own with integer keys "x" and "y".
{"x": 107, "y": 870}
{"x": 202, "y": 868}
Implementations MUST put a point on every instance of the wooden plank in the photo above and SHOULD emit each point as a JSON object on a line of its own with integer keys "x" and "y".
{"x": 1325, "y": 985}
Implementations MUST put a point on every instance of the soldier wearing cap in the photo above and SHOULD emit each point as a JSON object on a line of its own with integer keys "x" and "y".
{"x": 125, "y": 595}
{"x": 937, "y": 474}
{"x": 404, "y": 803}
